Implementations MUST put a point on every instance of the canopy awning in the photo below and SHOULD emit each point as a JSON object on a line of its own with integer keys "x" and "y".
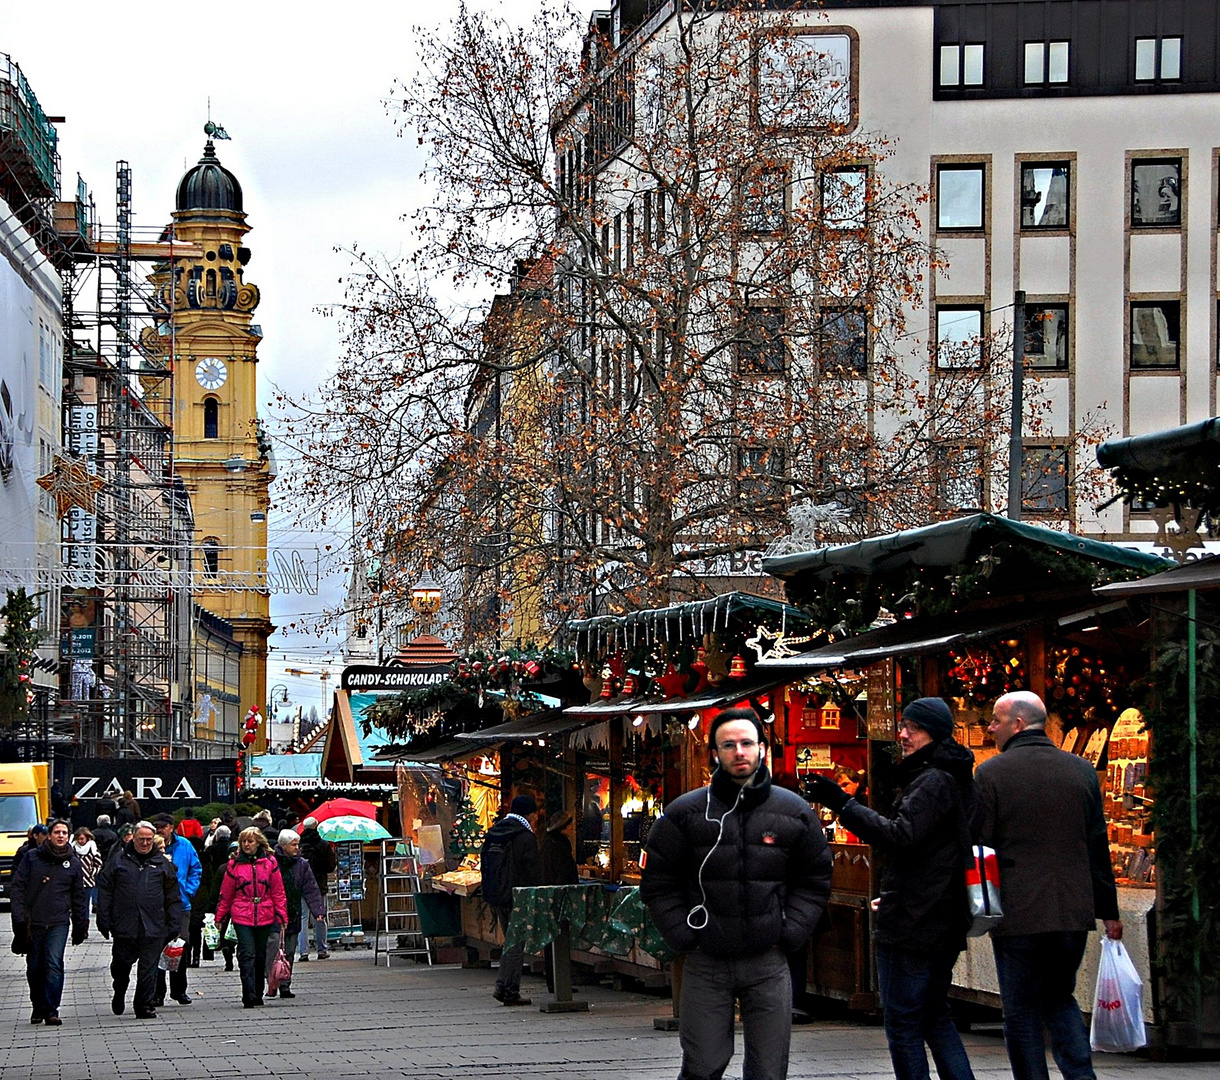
{"x": 450, "y": 750}
{"x": 904, "y": 638}
{"x": 1201, "y": 574}
{"x": 1160, "y": 451}
{"x": 948, "y": 543}
{"x": 540, "y": 725}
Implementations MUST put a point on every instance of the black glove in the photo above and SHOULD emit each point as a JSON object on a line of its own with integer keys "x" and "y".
{"x": 79, "y": 933}
{"x": 19, "y": 943}
{"x": 826, "y": 792}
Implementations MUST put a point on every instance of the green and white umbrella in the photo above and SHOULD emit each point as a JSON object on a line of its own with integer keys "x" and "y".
{"x": 351, "y": 827}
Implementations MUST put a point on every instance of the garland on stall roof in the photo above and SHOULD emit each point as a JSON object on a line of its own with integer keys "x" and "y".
{"x": 20, "y": 642}
{"x": 519, "y": 673}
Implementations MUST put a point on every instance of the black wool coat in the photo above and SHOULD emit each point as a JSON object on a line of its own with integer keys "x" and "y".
{"x": 765, "y": 883}
{"x": 49, "y": 889}
{"x": 925, "y": 842}
{"x": 138, "y": 896}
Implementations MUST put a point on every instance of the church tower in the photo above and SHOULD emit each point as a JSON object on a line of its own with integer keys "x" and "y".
{"x": 220, "y": 450}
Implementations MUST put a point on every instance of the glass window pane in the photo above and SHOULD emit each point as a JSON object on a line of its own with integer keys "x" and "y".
{"x": 1045, "y": 192}
{"x": 845, "y": 199}
{"x": 1043, "y": 478}
{"x": 764, "y": 200}
{"x": 972, "y": 65}
{"x": 1154, "y": 334}
{"x": 1171, "y": 58}
{"x": 1046, "y": 337}
{"x": 1145, "y": 58}
{"x": 1057, "y": 68}
{"x": 959, "y": 203}
{"x": 845, "y": 340}
{"x": 1156, "y": 193}
{"x": 958, "y": 333}
{"x": 1035, "y": 56}
{"x": 950, "y": 65}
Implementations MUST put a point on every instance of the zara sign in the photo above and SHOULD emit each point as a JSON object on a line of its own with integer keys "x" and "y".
{"x": 158, "y": 786}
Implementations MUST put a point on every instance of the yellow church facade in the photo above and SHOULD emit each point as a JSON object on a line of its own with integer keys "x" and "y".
{"x": 220, "y": 450}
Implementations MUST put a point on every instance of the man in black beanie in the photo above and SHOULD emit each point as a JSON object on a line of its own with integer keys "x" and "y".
{"x": 922, "y": 918}
{"x": 509, "y": 860}
{"x": 736, "y": 876}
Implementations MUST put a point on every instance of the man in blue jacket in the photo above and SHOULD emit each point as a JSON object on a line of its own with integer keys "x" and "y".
{"x": 182, "y": 853}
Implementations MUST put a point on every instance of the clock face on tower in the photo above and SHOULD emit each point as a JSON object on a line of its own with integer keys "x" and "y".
{"x": 211, "y": 373}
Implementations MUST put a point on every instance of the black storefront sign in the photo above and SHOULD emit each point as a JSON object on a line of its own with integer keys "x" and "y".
{"x": 158, "y": 786}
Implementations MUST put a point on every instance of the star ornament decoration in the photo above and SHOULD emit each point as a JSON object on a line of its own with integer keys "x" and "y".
{"x": 71, "y": 484}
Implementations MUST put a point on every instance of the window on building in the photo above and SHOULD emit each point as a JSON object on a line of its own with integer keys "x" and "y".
{"x": 959, "y": 476}
{"x": 760, "y": 471}
{"x": 1046, "y": 336}
{"x": 1046, "y": 63}
{"x": 1154, "y": 334}
{"x": 211, "y": 419}
{"x": 1046, "y": 192}
{"x": 959, "y": 196}
{"x": 211, "y": 556}
{"x": 1156, "y": 193}
{"x": 1158, "y": 59}
{"x": 764, "y": 200}
{"x": 959, "y": 336}
{"x": 960, "y": 65}
{"x": 845, "y": 198}
{"x": 760, "y": 348}
{"x": 844, "y": 341}
{"x": 1044, "y": 479}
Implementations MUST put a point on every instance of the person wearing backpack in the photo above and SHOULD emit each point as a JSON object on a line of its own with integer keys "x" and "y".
{"x": 509, "y": 860}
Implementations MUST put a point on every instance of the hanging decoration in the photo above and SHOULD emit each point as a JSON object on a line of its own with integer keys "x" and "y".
{"x": 71, "y": 484}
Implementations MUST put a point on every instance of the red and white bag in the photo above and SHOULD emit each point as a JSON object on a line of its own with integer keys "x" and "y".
{"x": 983, "y": 890}
{"x": 171, "y": 955}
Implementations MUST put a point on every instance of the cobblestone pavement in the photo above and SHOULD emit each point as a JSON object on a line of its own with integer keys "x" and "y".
{"x": 352, "y": 1019}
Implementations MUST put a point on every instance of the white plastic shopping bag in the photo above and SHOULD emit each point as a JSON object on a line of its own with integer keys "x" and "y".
{"x": 1118, "y": 1006}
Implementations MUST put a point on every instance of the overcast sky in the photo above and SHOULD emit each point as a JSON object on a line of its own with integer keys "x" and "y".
{"x": 300, "y": 92}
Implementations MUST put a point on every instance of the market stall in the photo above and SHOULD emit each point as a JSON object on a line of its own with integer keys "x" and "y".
{"x": 968, "y": 610}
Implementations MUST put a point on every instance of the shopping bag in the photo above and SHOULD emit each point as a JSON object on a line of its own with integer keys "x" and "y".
{"x": 281, "y": 972}
{"x": 983, "y": 890}
{"x": 211, "y": 932}
{"x": 230, "y": 932}
{"x": 1118, "y": 1005}
{"x": 171, "y": 955}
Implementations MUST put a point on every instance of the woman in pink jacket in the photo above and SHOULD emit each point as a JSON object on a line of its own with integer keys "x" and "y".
{"x": 252, "y": 896}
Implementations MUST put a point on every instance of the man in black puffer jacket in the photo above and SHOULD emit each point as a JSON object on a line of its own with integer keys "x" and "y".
{"x": 736, "y": 876}
{"x": 922, "y": 918}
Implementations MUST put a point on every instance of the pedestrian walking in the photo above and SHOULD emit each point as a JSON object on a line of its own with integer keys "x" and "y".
{"x": 48, "y": 894}
{"x": 921, "y": 921}
{"x": 91, "y": 861}
{"x": 35, "y": 837}
{"x": 302, "y": 896}
{"x": 322, "y": 860}
{"x": 104, "y": 836}
{"x": 140, "y": 905}
{"x": 252, "y": 895}
{"x": 509, "y": 860}
{"x": 190, "y": 872}
{"x": 1041, "y": 809}
{"x": 736, "y": 876}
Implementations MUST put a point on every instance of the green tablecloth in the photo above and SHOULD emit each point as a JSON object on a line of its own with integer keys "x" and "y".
{"x": 612, "y": 920}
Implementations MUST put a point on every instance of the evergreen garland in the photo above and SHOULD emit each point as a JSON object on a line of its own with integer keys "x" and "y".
{"x": 20, "y": 642}
{"x": 1181, "y": 867}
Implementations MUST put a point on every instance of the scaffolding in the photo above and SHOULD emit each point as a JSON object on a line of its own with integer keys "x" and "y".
{"x": 126, "y": 565}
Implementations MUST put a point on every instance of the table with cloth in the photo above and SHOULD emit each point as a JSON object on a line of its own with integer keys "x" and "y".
{"x": 585, "y": 916}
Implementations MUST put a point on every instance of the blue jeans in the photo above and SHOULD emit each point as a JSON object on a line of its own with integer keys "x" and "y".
{"x": 1037, "y": 987}
{"x": 44, "y": 967}
{"x": 319, "y": 933}
{"x": 914, "y": 989}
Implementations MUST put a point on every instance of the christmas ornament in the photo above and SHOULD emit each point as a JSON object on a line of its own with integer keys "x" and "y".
{"x": 672, "y": 683}
{"x": 71, "y": 484}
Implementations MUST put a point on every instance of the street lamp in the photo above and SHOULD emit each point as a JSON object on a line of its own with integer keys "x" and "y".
{"x": 282, "y": 691}
{"x": 426, "y": 595}
{"x": 236, "y": 464}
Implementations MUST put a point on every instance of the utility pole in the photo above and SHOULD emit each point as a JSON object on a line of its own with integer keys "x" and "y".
{"x": 1015, "y": 441}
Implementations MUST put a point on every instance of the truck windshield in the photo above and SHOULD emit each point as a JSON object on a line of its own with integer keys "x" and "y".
{"x": 17, "y": 813}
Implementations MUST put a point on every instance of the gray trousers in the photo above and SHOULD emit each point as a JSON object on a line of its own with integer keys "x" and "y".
{"x": 511, "y": 960}
{"x": 710, "y": 987}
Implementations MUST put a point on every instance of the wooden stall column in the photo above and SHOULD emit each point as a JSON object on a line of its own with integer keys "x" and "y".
{"x": 1036, "y": 645}
{"x": 618, "y": 782}
{"x": 572, "y": 789}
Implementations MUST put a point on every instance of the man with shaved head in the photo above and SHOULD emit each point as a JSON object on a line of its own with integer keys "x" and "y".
{"x": 1041, "y": 809}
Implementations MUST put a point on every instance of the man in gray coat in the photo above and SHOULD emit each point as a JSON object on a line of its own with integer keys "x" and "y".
{"x": 1041, "y": 809}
